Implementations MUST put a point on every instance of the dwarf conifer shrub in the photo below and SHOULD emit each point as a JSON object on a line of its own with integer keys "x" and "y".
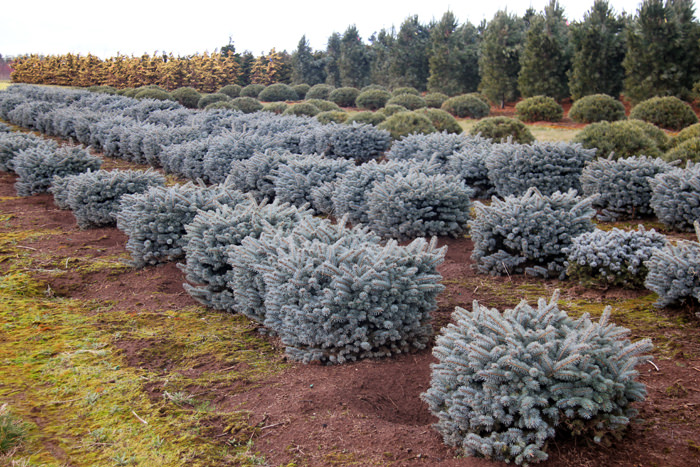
{"x": 435, "y": 147}
{"x": 623, "y": 139}
{"x": 528, "y": 233}
{"x": 157, "y": 94}
{"x": 675, "y": 196}
{"x": 212, "y": 233}
{"x": 186, "y": 159}
{"x": 278, "y": 92}
{"x": 404, "y": 206}
{"x": 596, "y": 108}
{"x": 187, "y": 97}
{"x": 332, "y": 116}
{"x": 252, "y": 90}
{"x": 357, "y": 141}
{"x": 501, "y": 129}
{"x": 295, "y": 180}
{"x": 622, "y": 186}
{"x": 507, "y": 382}
{"x": 389, "y": 110}
{"x": 402, "y": 90}
{"x": 155, "y": 220}
{"x": 666, "y": 112}
{"x": 434, "y": 100}
{"x": 94, "y": 197}
{"x": 466, "y": 106}
{"x": 324, "y": 105}
{"x": 539, "y": 108}
{"x": 102, "y": 89}
{"x": 301, "y": 90}
{"x": 221, "y": 105}
{"x": 208, "y": 99}
{"x": 59, "y": 190}
{"x": 344, "y": 97}
{"x": 614, "y": 257}
{"x": 693, "y": 131}
{"x": 275, "y": 107}
{"x": 37, "y": 166}
{"x": 548, "y": 166}
{"x": 372, "y": 99}
{"x": 442, "y": 121}
{"x": 302, "y": 108}
{"x": 231, "y": 90}
{"x": 367, "y": 117}
{"x": 673, "y": 272}
{"x": 408, "y": 100}
{"x": 12, "y": 143}
{"x": 688, "y": 150}
{"x": 319, "y": 91}
{"x": 254, "y": 175}
{"x": 338, "y": 301}
{"x": 469, "y": 164}
{"x": 246, "y": 104}
{"x": 223, "y": 150}
{"x": 406, "y": 123}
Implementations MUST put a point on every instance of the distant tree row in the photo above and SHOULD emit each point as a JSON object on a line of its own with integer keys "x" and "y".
{"x": 653, "y": 52}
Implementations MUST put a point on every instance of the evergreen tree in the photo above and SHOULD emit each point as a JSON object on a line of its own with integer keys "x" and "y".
{"x": 499, "y": 62}
{"x": 245, "y": 62}
{"x": 307, "y": 66}
{"x": 663, "y": 53}
{"x": 354, "y": 63}
{"x": 410, "y": 66}
{"x": 382, "y": 56}
{"x": 333, "y": 60}
{"x": 598, "y": 45}
{"x": 271, "y": 68}
{"x": 545, "y": 58}
{"x": 453, "y": 57}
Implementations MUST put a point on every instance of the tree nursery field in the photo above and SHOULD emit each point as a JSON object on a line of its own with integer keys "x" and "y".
{"x": 109, "y": 357}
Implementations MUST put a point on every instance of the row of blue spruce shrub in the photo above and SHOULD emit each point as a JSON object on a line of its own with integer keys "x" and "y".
{"x": 155, "y": 220}
{"x": 674, "y": 272}
{"x": 506, "y": 383}
{"x": 11, "y": 143}
{"x": 37, "y": 166}
{"x": 676, "y": 197}
{"x": 622, "y": 185}
{"x": 335, "y": 294}
{"x": 528, "y": 233}
{"x": 94, "y": 197}
{"x": 615, "y": 257}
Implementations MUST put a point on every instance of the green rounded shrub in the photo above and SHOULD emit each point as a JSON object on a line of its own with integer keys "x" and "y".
{"x": 500, "y": 129}
{"x": 211, "y": 98}
{"x": 688, "y": 150}
{"x": 127, "y": 92}
{"x": 278, "y": 92}
{"x": 103, "y": 89}
{"x": 479, "y": 96}
{"x": 247, "y": 105}
{"x": 666, "y": 112}
{"x": 344, "y": 97}
{"x": 373, "y": 118}
{"x": 301, "y": 90}
{"x": 332, "y": 116}
{"x": 405, "y": 90}
{"x": 302, "y": 108}
{"x": 596, "y": 108}
{"x": 392, "y": 109}
{"x": 186, "y": 96}
{"x": 406, "y": 123}
{"x": 692, "y": 131}
{"x": 466, "y": 106}
{"x": 221, "y": 105}
{"x": 324, "y": 105}
{"x": 624, "y": 138}
{"x": 410, "y": 101}
{"x": 252, "y": 90}
{"x": 319, "y": 91}
{"x": 231, "y": 90}
{"x": 157, "y": 94}
{"x": 435, "y": 100}
{"x": 539, "y": 109}
{"x": 275, "y": 107}
{"x": 373, "y": 87}
{"x": 654, "y": 132}
{"x": 372, "y": 99}
{"x": 442, "y": 121}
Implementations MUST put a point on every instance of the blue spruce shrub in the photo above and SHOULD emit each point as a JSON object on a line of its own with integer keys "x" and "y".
{"x": 212, "y": 233}
{"x": 59, "y": 190}
{"x": 404, "y": 206}
{"x": 548, "y": 166}
{"x": 437, "y": 147}
{"x": 322, "y": 198}
{"x": 254, "y": 175}
{"x": 674, "y": 272}
{"x": 295, "y": 180}
{"x": 675, "y": 197}
{"x": 233, "y": 146}
{"x": 187, "y": 159}
{"x": 357, "y": 141}
{"x": 155, "y": 220}
{"x": 469, "y": 164}
{"x": 353, "y": 298}
{"x": 37, "y": 166}
{"x": 614, "y": 257}
{"x": 13, "y": 142}
{"x": 622, "y": 185}
{"x": 505, "y": 383}
{"x": 94, "y": 197}
{"x": 528, "y": 233}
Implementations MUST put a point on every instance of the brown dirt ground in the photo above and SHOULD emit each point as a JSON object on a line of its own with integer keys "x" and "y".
{"x": 369, "y": 412}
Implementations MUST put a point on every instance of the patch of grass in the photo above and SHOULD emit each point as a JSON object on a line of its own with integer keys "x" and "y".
{"x": 540, "y": 132}
{"x": 12, "y": 431}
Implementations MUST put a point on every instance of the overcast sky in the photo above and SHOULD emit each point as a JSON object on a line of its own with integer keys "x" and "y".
{"x": 134, "y": 27}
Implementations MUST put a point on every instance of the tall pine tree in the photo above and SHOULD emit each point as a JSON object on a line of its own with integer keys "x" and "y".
{"x": 333, "y": 60}
{"x": 382, "y": 54}
{"x": 598, "y": 44}
{"x": 307, "y": 67}
{"x": 545, "y": 59}
{"x": 499, "y": 63}
{"x": 410, "y": 65}
{"x": 354, "y": 63}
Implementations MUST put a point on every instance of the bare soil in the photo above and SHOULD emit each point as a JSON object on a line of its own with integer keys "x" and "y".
{"x": 369, "y": 412}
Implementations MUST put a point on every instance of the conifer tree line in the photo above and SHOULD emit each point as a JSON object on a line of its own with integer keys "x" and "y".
{"x": 654, "y": 51}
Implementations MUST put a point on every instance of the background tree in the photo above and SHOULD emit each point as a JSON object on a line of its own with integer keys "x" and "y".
{"x": 271, "y": 68}
{"x": 333, "y": 60}
{"x": 354, "y": 63}
{"x": 454, "y": 67}
{"x": 410, "y": 65}
{"x": 545, "y": 59}
{"x": 499, "y": 62}
{"x": 382, "y": 52}
{"x": 306, "y": 66}
{"x": 598, "y": 44}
